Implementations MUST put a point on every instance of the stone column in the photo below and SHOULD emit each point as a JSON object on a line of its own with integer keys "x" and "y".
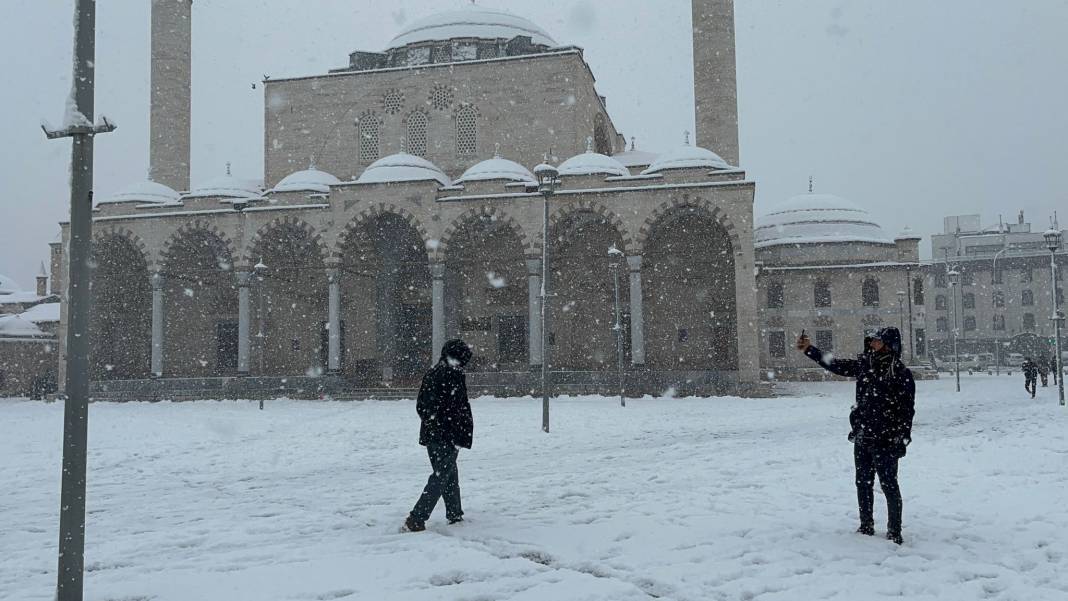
{"x": 437, "y": 340}
{"x": 157, "y": 324}
{"x": 244, "y": 281}
{"x": 334, "y": 323}
{"x": 637, "y": 323}
{"x": 534, "y": 310}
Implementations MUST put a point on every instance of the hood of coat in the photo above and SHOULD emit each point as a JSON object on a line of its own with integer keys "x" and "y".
{"x": 456, "y": 353}
{"x": 891, "y": 337}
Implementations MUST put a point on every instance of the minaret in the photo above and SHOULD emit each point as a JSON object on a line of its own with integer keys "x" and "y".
{"x": 171, "y": 90}
{"x": 715, "y": 82}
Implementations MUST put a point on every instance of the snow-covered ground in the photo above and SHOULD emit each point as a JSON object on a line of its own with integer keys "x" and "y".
{"x": 695, "y": 499}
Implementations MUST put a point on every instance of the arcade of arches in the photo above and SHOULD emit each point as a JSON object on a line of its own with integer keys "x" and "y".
{"x": 377, "y": 311}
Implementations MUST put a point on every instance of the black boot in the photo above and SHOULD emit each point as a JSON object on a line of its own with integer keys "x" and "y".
{"x": 894, "y": 537}
{"x": 410, "y": 525}
{"x": 866, "y": 530}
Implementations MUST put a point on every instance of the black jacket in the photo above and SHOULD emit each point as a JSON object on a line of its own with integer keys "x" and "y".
{"x": 1030, "y": 370}
{"x": 886, "y": 398}
{"x": 443, "y": 407}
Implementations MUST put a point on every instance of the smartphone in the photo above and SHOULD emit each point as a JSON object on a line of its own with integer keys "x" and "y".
{"x": 802, "y": 333}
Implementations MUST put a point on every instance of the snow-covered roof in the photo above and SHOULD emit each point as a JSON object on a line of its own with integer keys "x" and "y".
{"x": 497, "y": 169}
{"x": 636, "y": 158}
{"x": 20, "y": 297}
{"x": 403, "y": 167}
{"x": 227, "y": 186}
{"x": 469, "y": 22}
{"x": 309, "y": 180}
{"x": 687, "y": 157}
{"x": 817, "y": 219}
{"x": 14, "y": 326}
{"x": 42, "y": 313}
{"x": 143, "y": 192}
{"x": 907, "y": 234}
{"x": 8, "y": 285}
{"x": 593, "y": 163}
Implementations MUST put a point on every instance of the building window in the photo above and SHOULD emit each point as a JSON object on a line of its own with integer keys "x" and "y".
{"x": 441, "y": 97}
{"x": 940, "y": 302}
{"x": 942, "y": 325}
{"x": 940, "y": 280}
{"x": 968, "y": 301}
{"x": 777, "y": 344}
{"x": 967, "y": 278}
{"x": 368, "y": 129}
{"x": 999, "y": 299}
{"x": 870, "y": 293}
{"x": 1026, "y": 277}
{"x": 466, "y": 131}
{"x": 921, "y": 342}
{"x": 1029, "y": 322}
{"x": 1027, "y": 298}
{"x": 393, "y": 101}
{"x": 821, "y": 291}
{"x": 969, "y": 323}
{"x": 776, "y": 295}
{"x": 999, "y": 322}
{"x": 823, "y": 340}
{"x": 917, "y": 291}
{"x": 1060, "y": 296}
{"x": 417, "y": 124}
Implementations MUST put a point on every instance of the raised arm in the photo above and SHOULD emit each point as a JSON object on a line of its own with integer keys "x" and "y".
{"x": 848, "y": 368}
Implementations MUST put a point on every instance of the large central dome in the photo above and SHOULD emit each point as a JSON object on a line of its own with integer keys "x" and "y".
{"x": 817, "y": 219}
{"x": 472, "y": 22}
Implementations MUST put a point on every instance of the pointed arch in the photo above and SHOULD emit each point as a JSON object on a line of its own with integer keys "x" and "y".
{"x": 483, "y": 213}
{"x": 357, "y": 223}
{"x": 678, "y": 207}
{"x": 561, "y": 215}
{"x": 250, "y": 255}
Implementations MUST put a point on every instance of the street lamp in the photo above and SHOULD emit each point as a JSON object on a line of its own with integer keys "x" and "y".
{"x": 548, "y": 179}
{"x": 997, "y": 280}
{"x": 901, "y": 312}
{"x": 615, "y": 258}
{"x": 954, "y": 280}
{"x": 1053, "y": 243}
{"x": 261, "y": 273}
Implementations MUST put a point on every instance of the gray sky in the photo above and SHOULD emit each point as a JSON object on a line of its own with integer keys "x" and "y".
{"x": 914, "y": 109}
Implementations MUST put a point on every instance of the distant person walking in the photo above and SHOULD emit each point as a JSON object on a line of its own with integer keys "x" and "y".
{"x": 1030, "y": 372}
{"x": 1053, "y": 369}
{"x": 446, "y": 425}
{"x": 1043, "y": 371}
{"x": 881, "y": 421}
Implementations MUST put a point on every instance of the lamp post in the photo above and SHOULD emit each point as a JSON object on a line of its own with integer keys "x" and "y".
{"x": 548, "y": 179}
{"x": 901, "y": 312}
{"x": 1053, "y": 242}
{"x": 261, "y": 273}
{"x": 954, "y": 280}
{"x": 615, "y": 258}
{"x": 995, "y": 276}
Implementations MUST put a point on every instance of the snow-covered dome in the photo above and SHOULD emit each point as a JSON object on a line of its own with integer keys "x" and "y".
{"x": 469, "y": 22}
{"x": 143, "y": 192}
{"x": 497, "y": 168}
{"x": 8, "y": 285}
{"x": 592, "y": 163}
{"x": 16, "y": 326}
{"x": 403, "y": 167}
{"x": 309, "y": 180}
{"x": 227, "y": 186}
{"x": 687, "y": 157}
{"x": 817, "y": 219}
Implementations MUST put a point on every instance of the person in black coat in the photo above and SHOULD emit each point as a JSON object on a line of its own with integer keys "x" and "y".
{"x": 1030, "y": 372}
{"x": 446, "y": 425}
{"x": 1053, "y": 369}
{"x": 881, "y": 420}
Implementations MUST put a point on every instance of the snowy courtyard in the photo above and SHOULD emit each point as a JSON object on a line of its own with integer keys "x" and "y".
{"x": 685, "y": 499}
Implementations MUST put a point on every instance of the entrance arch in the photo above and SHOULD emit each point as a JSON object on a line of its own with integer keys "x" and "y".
{"x": 120, "y": 324}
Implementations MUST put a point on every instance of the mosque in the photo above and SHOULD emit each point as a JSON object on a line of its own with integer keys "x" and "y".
{"x": 398, "y": 208}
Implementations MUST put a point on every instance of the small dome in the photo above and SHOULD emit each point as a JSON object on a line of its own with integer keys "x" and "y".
{"x": 817, "y": 219}
{"x": 309, "y": 180}
{"x": 470, "y": 22}
{"x": 8, "y": 285}
{"x": 593, "y": 163}
{"x": 687, "y": 157}
{"x": 227, "y": 186}
{"x": 143, "y": 192}
{"x": 403, "y": 167}
{"x": 17, "y": 327}
{"x": 497, "y": 168}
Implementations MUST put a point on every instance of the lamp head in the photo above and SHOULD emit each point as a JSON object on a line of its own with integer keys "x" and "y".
{"x": 1053, "y": 239}
{"x": 548, "y": 178}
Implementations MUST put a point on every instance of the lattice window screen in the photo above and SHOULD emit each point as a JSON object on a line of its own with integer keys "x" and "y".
{"x": 368, "y": 131}
{"x": 417, "y": 125}
{"x": 466, "y": 131}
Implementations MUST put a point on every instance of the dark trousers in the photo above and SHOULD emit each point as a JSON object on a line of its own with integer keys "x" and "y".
{"x": 444, "y": 482}
{"x": 870, "y": 461}
{"x": 1030, "y": 385}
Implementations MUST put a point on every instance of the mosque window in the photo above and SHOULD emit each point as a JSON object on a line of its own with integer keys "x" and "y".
{"x": 969, "y": 323}
{"x": 1027, "y": 298}
{"x": 393, "y": 101}
{"x": 940, "y": 280}
{"x": 417, "y": 139}
{"x": 968, "y": 301}
{"x": 869, "y": 293}
{"x": 823, "y": 340}
{"x": 466, "y": 131}
{"x": 967, "y": 278}
{"x": 821, "y": 291}
{"x": 441, "y": 98}
{"x": 1029, "y": 322}
{"x": 488, "y": 51}
{"x": 940, "y": 302}
{"x": 776, "y": 295}
{"x": 442, "y": 54}
{"x": 999, "y": 298}
{"x": 777, "y": 344}
{"x": 999, "y": 322}
{"x": 942, "y": 325}
{"x": 1026, "y": 277}
{"x": 917, "y": 291}
{"x": 368, "y": 130}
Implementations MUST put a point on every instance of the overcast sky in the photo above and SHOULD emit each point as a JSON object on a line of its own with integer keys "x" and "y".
{"x": 913, "y": 109}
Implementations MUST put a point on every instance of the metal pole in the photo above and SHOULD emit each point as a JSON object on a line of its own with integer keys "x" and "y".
{"x": 997, "y": 338}
{"x": 69, "y": 578}
{"x": 544, "y": 312}
{"x": 619, "y": 336}
{"x": 1056, "y": 324}
{"x": 912, "y": 336}
{"x": 956, "y": 354}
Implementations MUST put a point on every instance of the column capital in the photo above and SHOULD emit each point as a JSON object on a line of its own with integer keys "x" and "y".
{"x": 634, "y": 262}
{"x": 437, "y": 270}
{"x": 333, "y": 274}
{"x": 533, "y": 266}
{"x": 243, "y": 278}
{"x": 157, "y": 279}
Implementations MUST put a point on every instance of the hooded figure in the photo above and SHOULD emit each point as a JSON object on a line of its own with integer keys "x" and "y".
{"x": 1030, "y": 372}
{"x": 881, "y": 420}
{"x": 446, "y": 425}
